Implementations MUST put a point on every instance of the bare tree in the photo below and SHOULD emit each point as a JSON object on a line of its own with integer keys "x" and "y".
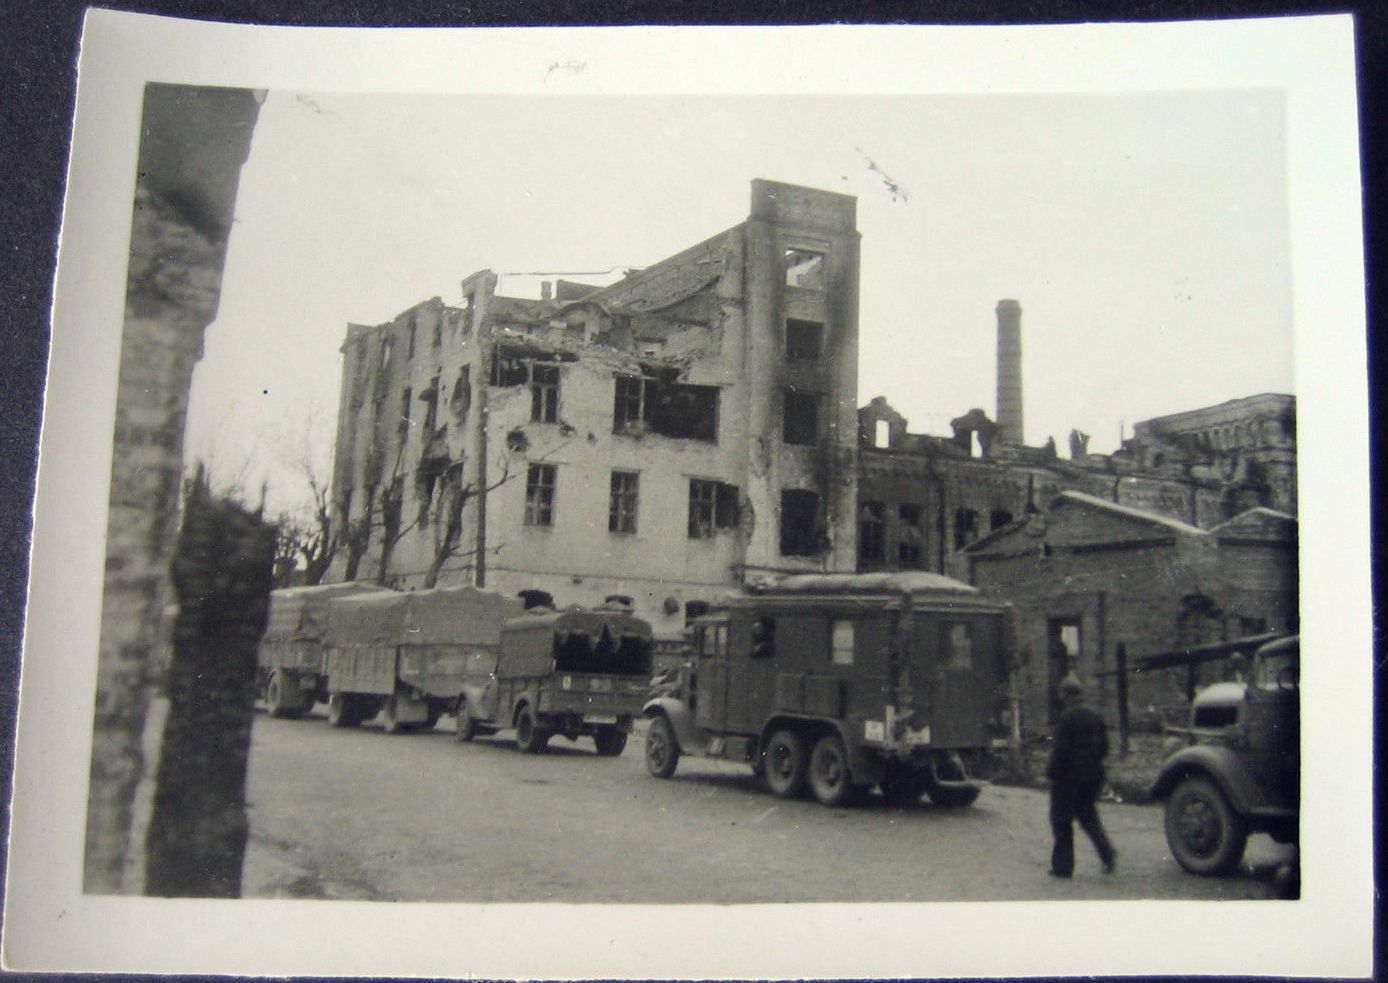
{"x": 453, "y": 496}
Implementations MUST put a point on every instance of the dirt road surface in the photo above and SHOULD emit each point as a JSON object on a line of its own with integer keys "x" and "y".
{"x": 357, "y": 814}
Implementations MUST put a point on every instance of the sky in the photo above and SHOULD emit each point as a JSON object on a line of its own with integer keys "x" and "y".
{"x": 1145, "y": 235}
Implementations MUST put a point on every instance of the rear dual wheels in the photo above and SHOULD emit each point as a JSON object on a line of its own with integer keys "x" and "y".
{"x": 831, "y": 779}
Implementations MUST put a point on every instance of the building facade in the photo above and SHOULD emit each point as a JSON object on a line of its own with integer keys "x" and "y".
{"x": 664, "y": 438}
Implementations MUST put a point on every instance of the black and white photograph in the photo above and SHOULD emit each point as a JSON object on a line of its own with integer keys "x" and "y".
{"x": 702, "y": 502}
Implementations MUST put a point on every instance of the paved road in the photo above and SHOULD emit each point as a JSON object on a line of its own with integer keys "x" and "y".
{"x": 359, "y": 814}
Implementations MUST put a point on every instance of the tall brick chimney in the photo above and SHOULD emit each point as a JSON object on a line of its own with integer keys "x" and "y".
{"x": 1009, "y": 418}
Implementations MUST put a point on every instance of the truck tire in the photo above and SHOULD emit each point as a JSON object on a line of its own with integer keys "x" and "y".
{"x": 1204, "y": 833}
{"x": 343, "y": 710}
{"x": 786, "y": 764}
{"x": 466, "y": 729}
{"x": 952, "y": 795}
{"x": 435, "y": 712}
{"x": 610, "y": 741}
{"x": 390, "y": 723}
{"x": 662, "y": 749}
{"x": 531, "y": 738}
{"x": 280, "y": 696}
{"x": 831, "y": 779}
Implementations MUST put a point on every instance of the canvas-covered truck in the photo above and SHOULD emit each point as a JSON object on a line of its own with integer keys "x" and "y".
{"x": 836, "y": 683}
{"x": 289, "y": 670}
{"x": 577, "y": 672}
{"x": 407, "y": 656}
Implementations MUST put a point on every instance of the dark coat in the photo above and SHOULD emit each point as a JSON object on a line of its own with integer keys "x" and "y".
{"x": 1081, "y": 744}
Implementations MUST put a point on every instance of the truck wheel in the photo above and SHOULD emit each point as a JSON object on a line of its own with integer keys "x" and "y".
{"x": 610, "y": 741}
{"x": 435, "y": 712}
{"x": 786, "y": 764}
{"x": 530, "y": 737}
{"x": 1206, "y": 836}
{"x": 342, "y": 710}
{"x": 467, "y": 727}
{"x": 952, "y": 795}
{"x": 662, "y": 750}
{"x": 390, "y": 723}
{"x": 830, "y": 777}
{"x": 278, "y": 698}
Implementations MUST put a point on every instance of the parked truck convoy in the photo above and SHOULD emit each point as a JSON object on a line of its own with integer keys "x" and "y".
{"x": 574, "y": 672}
{"x": 842, "y": 682}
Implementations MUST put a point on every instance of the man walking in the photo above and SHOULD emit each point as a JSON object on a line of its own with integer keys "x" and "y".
{"x": 1076, "y": 773}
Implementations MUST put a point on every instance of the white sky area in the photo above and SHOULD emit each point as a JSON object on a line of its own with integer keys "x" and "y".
{"x": 1145, "y": 236}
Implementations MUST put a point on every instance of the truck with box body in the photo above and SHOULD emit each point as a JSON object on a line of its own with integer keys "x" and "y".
{"x": 408, "y": 656}
{"x": 578, "y": 672}
{"x": 842, "y": 682}
{"x": 289, "y": 670}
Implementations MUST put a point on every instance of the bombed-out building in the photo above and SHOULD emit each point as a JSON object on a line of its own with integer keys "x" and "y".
{"x": 663, "y": 437}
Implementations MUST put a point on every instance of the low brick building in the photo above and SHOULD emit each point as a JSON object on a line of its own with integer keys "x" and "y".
{"x": 1087, "y": 575}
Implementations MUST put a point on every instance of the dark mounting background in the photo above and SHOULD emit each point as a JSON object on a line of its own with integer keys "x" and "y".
{"x": 38, "y": 54}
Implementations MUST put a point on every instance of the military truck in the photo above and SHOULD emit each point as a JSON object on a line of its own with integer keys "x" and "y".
{"x": 577, "y": 672}
{"x": 1236, "y": 769}
{"x": 407, "y": 656}
{"x": 289, "y": 670}
{"x": 841, "y": 682}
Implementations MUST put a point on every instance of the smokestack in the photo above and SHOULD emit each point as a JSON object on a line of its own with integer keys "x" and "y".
{"x": 1009, "y": 418}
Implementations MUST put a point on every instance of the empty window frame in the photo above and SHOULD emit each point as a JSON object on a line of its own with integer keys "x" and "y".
{"x": 713, "y": 505}
{"x": 540, "y": 483}
{"x": 841, "y": 643}
{"x": 430, "y": 398}
{"x": 872, "y": 536}
{"x": 671, "y": 409}
{"x": 908, "y": 547}
{"x": 799, "y": 522}
{"x": 998, "y": 518}
{"x": 621, "y": 514}
{"x": 406, "y": 411}
{"x": 965, "y": 527}
{"x": 544, "y": 393}
{"x": 800, "y": 420}
{"x": 804, "y": 340}
{"x": 804, "y": 268}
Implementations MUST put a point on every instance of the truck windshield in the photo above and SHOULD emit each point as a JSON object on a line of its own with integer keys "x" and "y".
{"x": 622, "y": 655}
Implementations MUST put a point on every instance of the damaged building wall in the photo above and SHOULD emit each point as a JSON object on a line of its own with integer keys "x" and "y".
{"x": 631, "y": 438}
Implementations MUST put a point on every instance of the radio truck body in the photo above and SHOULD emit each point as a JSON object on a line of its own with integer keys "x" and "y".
{"x": 841, "y": 682}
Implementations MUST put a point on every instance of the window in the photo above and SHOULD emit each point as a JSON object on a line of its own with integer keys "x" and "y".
{"x": 406, "y": 411}
{"x": 694, "y": 609}
{"x": 881, "y": 434}
{"x": 800, "y": 424}
{"x": 804, "y": 340}
{"x": 841, "y": 643}
{"x": 430, "y": 398}
{"x": 871, "y": 533}
{"x": 410, "y": 352}
{"x": 713, "y": 505}
{"x": 909, "y": 541}
{"x": 799, "y": 522}
{"x": 438, "y": 332}
{"x": 671, "y": 409}
{"x": 621, "y": 516}
{"x": 544, "y": 393}
{"x": 804, "y": 269}
{"x": 959, "y": 647}
{"x": 998, "y": 518}
{"x": 461, "y": 400}
{"x": 539, "y": 495}
{"x": 469, "y": 308}
{"x": 965, "y": 527}
{"x": 763, "y": 638}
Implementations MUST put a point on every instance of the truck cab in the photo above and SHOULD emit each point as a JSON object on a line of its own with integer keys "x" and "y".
{"x": 836, "y": 683}
{"x": 1235, "y": 769}
{"x": 575, "y": 672}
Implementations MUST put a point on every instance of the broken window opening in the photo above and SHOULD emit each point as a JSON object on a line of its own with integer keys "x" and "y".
{"x": 804, "y": 340}
{"x": 410, "y": 350}
{"x": 438, "y": 332}
{"x": 694, "y": 609}
{"x": 804, "y": 268}
{"x": 430, "y": 398}
{"x": 540, "y": 483}
{"x": 871, "y": 533}
{"x": 881, "y": 434}
{"x": 387, "y": 347}
{"x": 406, "y": 412}
{"x": 461, "y": 401}
{"x": 509, "y": 368}
{"x": 544, "y": 393}
{"x": 621, "y": 516}
{"x": 909, "y": 551}
{"x": 799, "y": 522}
{"x": 800, "y": 422}
{"x": 671, "y": 409}
{"x": 469, "y": 307}
{"x": 713, "y": 505}
{"x": 965, "y": 527}
{"x": 425, "y": 480}
{"x": 998, "y": 518}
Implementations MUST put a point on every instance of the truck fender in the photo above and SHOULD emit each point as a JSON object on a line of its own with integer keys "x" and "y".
{"x": 527, "y": 698}
{"x": 681, "y": 721}
{"x": 1217, "y": 763}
